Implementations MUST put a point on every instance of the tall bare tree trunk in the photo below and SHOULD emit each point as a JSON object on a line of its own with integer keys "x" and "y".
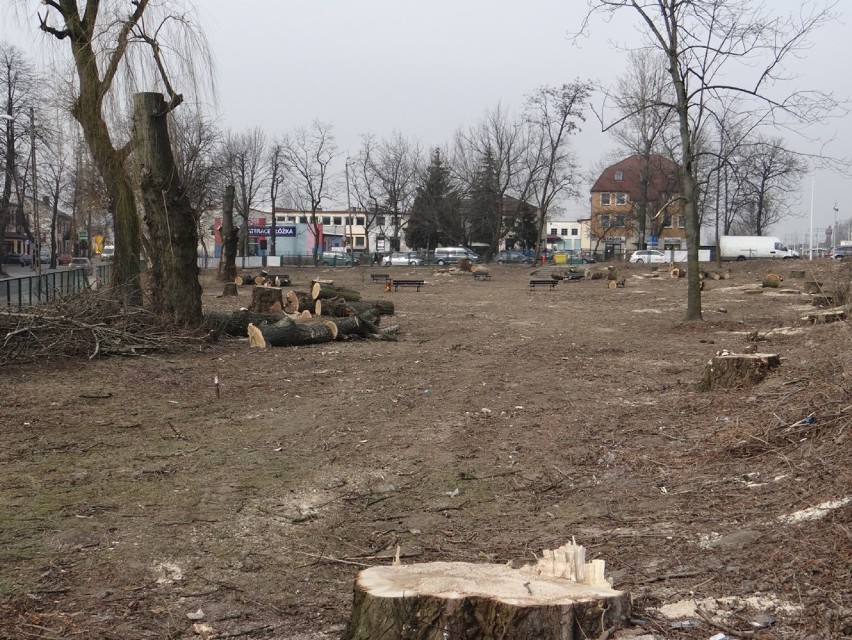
{"x": 230, "y": 238}
{"x": 168, "y": 215}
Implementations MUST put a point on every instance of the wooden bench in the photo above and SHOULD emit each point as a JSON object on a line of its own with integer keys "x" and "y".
{"x": 380, "y": 277}
{"x": 407, "y": 283}
{"x": 543, "y": 283}
{"x": 481, "y": 275}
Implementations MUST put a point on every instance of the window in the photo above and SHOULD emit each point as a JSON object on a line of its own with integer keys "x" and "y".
{"x": 337, "y": 220}
{"x": 605, "y": 199}
{"x": 347, "y": 220}
{"x": 303, "y": 219}
{"x": 681, "y": 222}
{"x": 553, "y": 231}
{"x": 620, "y": 198}
{"x": 326, "y": 219}
{"x": 575, "y": 231}
{"x": 620, "y": 221}
{"x": 291, "y": 218}
{"x": 380, "y": 220}
{"x": 667, "y": 221}
{"x": 359, "y": 221}
{"x": 619, "y": 176}
{"x": 563, "y": 232}
{"x": 604, "y": 221}
{"x": 359, "y": 241}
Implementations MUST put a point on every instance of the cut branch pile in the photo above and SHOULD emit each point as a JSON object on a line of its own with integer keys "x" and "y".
{"x": 88, "y": 325}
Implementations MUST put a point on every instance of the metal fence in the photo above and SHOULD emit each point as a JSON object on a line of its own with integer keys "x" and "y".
{"x": 29, "y": 291}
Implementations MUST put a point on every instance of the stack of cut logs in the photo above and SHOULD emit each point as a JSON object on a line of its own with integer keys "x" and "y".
{"x": 280, "y": 318}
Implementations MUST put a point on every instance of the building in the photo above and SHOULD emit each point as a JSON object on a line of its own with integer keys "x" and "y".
{"x": 635, "y": 204}
{"x": 20, "y": 232}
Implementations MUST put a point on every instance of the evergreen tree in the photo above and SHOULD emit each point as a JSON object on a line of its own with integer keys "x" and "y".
{"x": 486, "y": 215}
{"x": 436, "y": 218}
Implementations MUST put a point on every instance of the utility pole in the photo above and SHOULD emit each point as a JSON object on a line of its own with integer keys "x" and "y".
{"x": 349, "y": 215}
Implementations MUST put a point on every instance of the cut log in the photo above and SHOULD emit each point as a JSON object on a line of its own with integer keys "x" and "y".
{"x": 772, "y": 280}
{"x": 321, "y": 291}
{"x": 229, "y": 290}
{"x": 298, "y": 301}
{"x": 264, "y": 298}
{"x": 287, "y": 333}
{"x": 439, "y": 600}
{"x": 339, "y": 308}
{"x": 737, "y": 370}
{"x": 235, "y": 323}
{"x": 676, "y": 272}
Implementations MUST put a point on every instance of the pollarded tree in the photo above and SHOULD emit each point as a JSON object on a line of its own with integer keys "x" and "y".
{"x": 706, "y": 43}
{"x": 115, "y": 46}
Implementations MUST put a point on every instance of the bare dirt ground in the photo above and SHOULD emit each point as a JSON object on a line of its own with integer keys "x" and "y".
{"x": 134, "y": 503}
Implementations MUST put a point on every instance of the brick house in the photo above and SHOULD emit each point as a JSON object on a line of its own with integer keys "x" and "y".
{"x": 635, "y": 205}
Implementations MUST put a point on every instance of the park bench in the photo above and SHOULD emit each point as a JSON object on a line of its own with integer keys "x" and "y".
{"x": 380, "y": 277}
{"x": 407, "y": 283}
{"x": 543, "y": 283}
{"x": 481, "y": 275}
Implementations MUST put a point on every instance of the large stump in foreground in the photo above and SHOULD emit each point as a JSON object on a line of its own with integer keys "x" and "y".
{"x": 728, "y": 370}
{"x": 439, "y": 600}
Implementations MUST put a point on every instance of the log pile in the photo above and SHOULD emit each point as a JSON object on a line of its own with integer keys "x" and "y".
{"x": 278, "y": 318}
{"x": 561, "y": 597}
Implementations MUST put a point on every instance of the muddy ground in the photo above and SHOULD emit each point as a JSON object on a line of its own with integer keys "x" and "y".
{"x": 135, "y": 503}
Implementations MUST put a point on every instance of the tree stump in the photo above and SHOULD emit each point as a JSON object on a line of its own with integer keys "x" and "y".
{"x": 229, "y": 290}
{"x": 265, "y": 298}
{"x": 797, "y": 274}
{"x": 772, "y": 280}
{"x": 737, "y": 370}
{"x": 439, "y": 600}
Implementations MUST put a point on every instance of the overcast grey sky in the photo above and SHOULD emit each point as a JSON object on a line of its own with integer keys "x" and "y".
{"x": 427, "y": 69}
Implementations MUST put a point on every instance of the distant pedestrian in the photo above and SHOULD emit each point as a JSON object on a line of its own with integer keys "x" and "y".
{"x": 377, "y": 259}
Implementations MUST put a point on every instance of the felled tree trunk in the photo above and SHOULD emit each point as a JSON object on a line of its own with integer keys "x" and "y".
{"x": 322, "y": 291}
{"x": 298, "y": 301}
{"x": 733, "y": 370}
{"x": 338, "y": 307}
{"x": 439, "y": 600}
{"x": 287, "y": 333}
{"x": 266, "y": 299}
{"x": 235, "y": 323}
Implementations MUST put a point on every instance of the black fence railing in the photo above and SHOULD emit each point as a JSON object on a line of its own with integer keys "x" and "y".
{"x": 30, "y": 291}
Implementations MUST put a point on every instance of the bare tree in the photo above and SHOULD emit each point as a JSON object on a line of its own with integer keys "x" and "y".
{"x": 276, "y": 179}
{"x": 18, "y": 83}
{"x": 111, "y": 41}
{"x": 244, "y": 163}
{"x": 493, "y": 152}
{"x": 553, "y": 114}
{"x": 307, "y": 154}
{"x": 705, "y": 43}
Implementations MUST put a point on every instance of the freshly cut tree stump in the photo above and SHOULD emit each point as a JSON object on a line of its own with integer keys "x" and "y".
{"x": 320, "y": 291}
{"x": 298, "y": 301}
{"x": 797, "y": 274}
{"x": 737, "y": 370}
{"x": 440, "y": 600}
{"x": 229, "y": 290}
{"x": 264, "y": 298}
{"x": 772, "y": 280}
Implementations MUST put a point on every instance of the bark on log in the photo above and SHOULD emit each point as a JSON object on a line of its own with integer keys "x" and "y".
{"x": 339, "y": 308}
{"x": 737, "y": 370}
{"x": 321, "y": 291}
{"x": 235, "y": 323}
{"x": 439, "y": 600}
{"x": 298, "y": 301}
{"x": 230, "y": 238}
{"x": 265, "y": 298}
{"x": 287, "y": 333}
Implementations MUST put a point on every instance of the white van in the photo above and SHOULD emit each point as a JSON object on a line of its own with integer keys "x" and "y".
{"x": 451, "y": 255}
{"x": 108, "y": 253}
{"x": 745, "y": 247}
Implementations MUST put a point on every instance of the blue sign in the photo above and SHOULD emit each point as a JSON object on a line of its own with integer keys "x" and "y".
{"x": 288, "y": 230}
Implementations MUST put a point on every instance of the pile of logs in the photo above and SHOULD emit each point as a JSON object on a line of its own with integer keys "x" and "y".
{"x": 280, "y": 318}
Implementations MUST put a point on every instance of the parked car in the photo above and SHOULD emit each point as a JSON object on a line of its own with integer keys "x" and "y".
{"x": 44, "y": 256}
{"x": 336, "y": 259}
{"x": 843, "y": 251}
{"x": 509, "y": 256}
{"x": 63, "y": 259}
{"x": 21, "y": 259}
{"x": 108, "y": 253}
{"x": 651, "y": 256}
{"x": 82, "y": 263}
{"x": 410, "y": 258}
{"x": 452, "y": 255}
{"x": 571, "y": 258}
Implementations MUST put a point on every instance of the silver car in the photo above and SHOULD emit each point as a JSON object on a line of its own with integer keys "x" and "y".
{"x": 398, "y": 258}
{"x": 651, "y": 256}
